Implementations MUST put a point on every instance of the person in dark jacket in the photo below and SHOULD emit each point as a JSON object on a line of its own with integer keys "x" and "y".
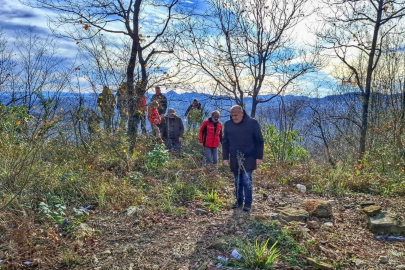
{"x": 210, "y": 137}
{"x": 194, "y": 106}
{"x": 242, "y": 149}
{"x": 194, "y": 114}
{"x": 172, "y": 130}
{"x": 161, "y": 99}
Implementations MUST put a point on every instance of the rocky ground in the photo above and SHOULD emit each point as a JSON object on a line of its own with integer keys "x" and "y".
{"x": 122, "y": 239}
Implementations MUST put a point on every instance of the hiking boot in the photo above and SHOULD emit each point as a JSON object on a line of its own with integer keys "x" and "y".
{"x": 246, "y": 208}
{"x": 237, "y": 205}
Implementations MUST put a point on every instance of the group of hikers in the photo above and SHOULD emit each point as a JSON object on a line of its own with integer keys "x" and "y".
{"x": 241, "y": 137}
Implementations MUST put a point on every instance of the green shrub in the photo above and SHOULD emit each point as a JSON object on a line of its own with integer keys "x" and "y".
{"x": 281, "y": 146}
{"x": 258, "y": 255}
{"x": 157, "y": 158}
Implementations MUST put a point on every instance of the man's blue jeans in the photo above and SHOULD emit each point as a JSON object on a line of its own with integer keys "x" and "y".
{"x": 244, "y": 188}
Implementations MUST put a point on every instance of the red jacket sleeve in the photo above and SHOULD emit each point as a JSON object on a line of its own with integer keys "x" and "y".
{"x": 142, "y": 104}
{"x": 150, "y": 116}
{"x": 201, "y": 130}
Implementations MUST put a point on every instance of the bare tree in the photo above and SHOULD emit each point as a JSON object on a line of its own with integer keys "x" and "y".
{"x": 359, "y": 27}
{"x": 7, "y": 65}
{"x": 132, "y": 18}
{"x": 246, "y": 48}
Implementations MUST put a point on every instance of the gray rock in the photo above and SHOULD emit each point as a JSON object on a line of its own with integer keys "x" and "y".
{"x": 132, "y": 211}
{"x": 383, "y": 259}
{"x": 372, "y": 210}
{"x": 288, "y": 214}
{"x": 401, "y": 266}
{"x": 359, "y": 263}
{"x": 318, "y": 208}
{"x": 313, "y": 224}
{"x": 366, "y": 203}
{"x": 84, "y": 230}
{"x": 201, "y": 211}
{"x": 386, "y": 223}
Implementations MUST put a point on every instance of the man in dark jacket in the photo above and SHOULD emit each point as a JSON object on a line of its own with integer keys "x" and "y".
{"x": 242, "y": 149}
{"x": 161, "y": 99}
{"x": 172, "y": 130}
{"x": 194, "y": 114}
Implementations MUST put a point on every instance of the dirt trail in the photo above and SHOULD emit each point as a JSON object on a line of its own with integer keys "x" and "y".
{"x": 183, "y": 242}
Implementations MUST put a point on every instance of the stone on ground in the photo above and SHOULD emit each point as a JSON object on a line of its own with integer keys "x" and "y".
{"x": 319, "y": 265}
{"x": 201, "y": 212}
{"x": 318, "y": 208}
{"x": 383, "y": 259}
{"x": 219, "y": 245}
{"x": 313, "y": 224}
{"x": 288, "y": 214}
{"x": 372, "y": 210}
{"x": 387, "y": 223}
{"x": 366, "y": 203}
{"x": 132, "y": 211}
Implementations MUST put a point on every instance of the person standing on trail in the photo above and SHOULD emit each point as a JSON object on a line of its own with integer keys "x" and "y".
{"x": 172, "y": 130}
{"x": 210, "y": 137}
{"x": 242, "y": 150}
{"x": 106, "y": 103}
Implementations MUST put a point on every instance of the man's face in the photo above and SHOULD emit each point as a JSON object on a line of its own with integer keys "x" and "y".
{"x": 237, "y": 116}
{"x": 195, "y": 103}
{"x": 215, "y": 117}
{"x": 157, "y": 91}
{"x": 171, "y": 115}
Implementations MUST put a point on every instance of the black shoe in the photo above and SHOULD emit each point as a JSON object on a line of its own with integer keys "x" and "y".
{"x": 246, "y": 208}
{"x": 237, "y": 205}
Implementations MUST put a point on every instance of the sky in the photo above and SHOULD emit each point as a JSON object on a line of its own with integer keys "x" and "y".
{"x": 18, "y": 17}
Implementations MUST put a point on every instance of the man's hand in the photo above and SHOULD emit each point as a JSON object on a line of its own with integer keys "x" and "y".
{"x": 180, "y": 139}
{"x": 258, "y": 162}
{"x": 201, "y": 144}
{"x": 226, "y": 162}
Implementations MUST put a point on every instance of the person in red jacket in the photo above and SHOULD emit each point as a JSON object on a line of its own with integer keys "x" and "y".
{"x": 210, "y": 137}
{"x": 154, "y": 118}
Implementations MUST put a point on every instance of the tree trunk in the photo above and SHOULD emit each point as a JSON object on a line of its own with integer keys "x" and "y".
{"x": 133, "y": 117}
{"x": 132, "y": 130}
{"x": 367, "y": 90}
{"x": 254, "y": 106}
